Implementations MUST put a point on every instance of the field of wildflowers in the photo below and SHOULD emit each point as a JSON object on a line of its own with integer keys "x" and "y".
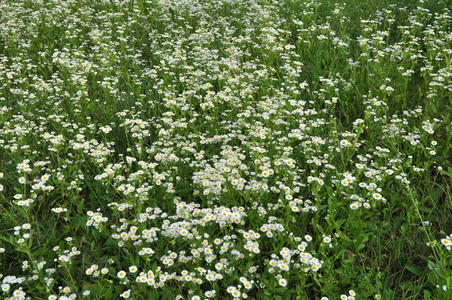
{"x": 225, "y": 149}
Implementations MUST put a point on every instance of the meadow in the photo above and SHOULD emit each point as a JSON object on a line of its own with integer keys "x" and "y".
{"x": 225, "y": 149}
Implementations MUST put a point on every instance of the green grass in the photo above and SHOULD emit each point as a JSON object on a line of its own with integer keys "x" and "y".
{"x": 225, "y": 149}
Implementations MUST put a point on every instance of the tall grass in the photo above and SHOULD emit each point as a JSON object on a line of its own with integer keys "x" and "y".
{"x": 225, "y": 149}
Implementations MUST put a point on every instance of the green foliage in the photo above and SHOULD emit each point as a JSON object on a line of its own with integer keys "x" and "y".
{"x": 225, "y": 149}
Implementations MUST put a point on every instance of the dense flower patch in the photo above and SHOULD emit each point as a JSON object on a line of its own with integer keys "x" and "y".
{"x": 224, "y": 149}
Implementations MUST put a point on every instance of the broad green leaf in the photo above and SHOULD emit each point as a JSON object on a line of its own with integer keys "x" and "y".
{"x": 414, "y": 269}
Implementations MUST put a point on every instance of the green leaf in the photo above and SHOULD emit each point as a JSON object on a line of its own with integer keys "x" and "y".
{"x": 414, "y": 269}
{"x": 340, "y": 222}
{"x": 388, "y": 283}
{"x": 427, "y": 295}
{"x": 108, "y": 295}
{"x": 432, "y": 265}
{"x": 365, "y": 239}
{"x": 388, "y": 293}
{"x": 431, "y": 278}
{"x": 360, "y": 247}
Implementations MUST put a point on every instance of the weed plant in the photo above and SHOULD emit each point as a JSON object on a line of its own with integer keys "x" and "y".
{"x": 225, "y": 149}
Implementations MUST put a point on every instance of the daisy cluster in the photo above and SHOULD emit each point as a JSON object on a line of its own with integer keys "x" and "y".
{"x": 159, "y": 148}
